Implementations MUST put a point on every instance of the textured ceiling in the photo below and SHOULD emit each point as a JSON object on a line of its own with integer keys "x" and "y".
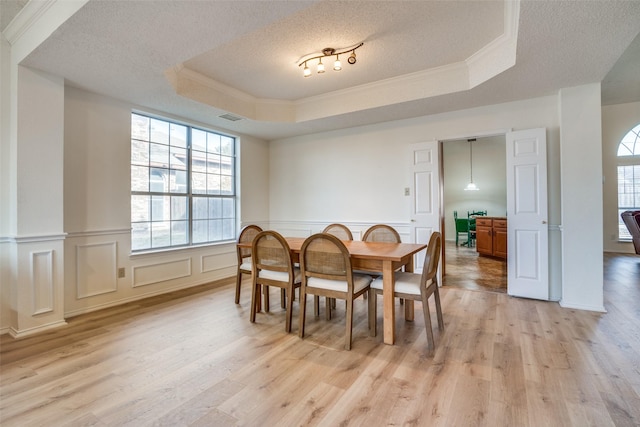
{"x": 123, "y": 49}
{"x": 396, "y": 42}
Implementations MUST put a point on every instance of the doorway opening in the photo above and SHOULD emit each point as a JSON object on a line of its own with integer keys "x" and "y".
{"x": 481, "y": 160}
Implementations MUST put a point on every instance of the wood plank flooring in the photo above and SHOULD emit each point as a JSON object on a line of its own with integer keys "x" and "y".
{"x": 192, "y": 358}
{"x": 467, "y": 270}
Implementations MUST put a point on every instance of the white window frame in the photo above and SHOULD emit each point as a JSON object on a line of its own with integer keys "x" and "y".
{"x": 628, "y": 168}
{"x": 194, "y": 203}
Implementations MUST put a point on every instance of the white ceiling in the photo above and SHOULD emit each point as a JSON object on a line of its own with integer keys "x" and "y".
{"x": 250, "y": 49}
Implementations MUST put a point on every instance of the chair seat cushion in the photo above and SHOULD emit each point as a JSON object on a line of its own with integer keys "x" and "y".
{"x": 360, "y": 281}
{"x": 406, "y": 283}
{"x": 280, "y": 276}
{"x": 246, "y": 265}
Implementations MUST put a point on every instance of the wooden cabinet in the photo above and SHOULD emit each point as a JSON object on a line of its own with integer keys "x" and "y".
{"x": 491, "y": 236}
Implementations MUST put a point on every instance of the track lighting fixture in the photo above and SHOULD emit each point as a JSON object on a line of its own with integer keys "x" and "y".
{"x": 326, "y": 52}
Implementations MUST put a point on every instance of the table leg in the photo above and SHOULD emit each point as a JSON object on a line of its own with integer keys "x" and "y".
{"x": 408, "y": 304}
{"x": 389, "y": 321}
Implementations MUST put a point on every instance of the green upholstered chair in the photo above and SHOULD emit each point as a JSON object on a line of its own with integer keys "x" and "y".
{"x": 462, "y": 227}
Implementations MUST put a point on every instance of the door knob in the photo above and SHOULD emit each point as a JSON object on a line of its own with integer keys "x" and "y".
{"x": 544, "y": 222}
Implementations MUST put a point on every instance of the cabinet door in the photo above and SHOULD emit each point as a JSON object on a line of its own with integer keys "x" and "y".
{"x": 484, "y": 244}
{"x": 500, "y": 242}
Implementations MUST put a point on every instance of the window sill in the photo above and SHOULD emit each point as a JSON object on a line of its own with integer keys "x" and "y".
{"x": 164, "y": 251}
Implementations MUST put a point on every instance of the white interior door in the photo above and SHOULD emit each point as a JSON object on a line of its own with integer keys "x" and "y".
{"x": 528, "y": 238}
{"x": 425, "y": 195}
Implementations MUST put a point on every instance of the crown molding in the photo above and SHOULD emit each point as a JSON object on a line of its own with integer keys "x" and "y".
{"x": 25, "y": 19}
{"x": 35, "y": 22}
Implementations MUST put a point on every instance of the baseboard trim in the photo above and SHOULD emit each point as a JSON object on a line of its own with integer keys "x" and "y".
{"x": 214, "y": 283}
{"x": 36, "y": 330}
{"x": 598, "y": 309}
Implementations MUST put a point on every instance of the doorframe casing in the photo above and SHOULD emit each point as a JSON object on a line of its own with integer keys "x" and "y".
{"x": 441, "y": 141}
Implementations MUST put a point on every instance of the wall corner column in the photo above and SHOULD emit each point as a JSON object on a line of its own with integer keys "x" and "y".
{"x": 581, "y": 190}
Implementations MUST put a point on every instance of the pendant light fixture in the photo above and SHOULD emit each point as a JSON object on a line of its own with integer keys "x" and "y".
{"x": 471, "y": 186}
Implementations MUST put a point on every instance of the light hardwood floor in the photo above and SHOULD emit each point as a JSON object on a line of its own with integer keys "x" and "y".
{"x": 466, "y": 269}
{"x": 192, "y": 358}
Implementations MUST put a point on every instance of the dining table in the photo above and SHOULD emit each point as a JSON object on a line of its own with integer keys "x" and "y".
{"x": 375, "y": 257}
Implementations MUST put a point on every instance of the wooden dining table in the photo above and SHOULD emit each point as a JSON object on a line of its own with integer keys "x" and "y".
{"x": 380, "y": 257}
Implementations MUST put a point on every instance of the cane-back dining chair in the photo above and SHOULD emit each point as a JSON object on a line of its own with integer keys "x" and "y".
{"x": 326, "y": 271}
{"x": 381, "y": 233}
{"x": 342, "y": 232}
{"x": 417, "y": 287}
{"x": 273, "y": 266}
{"x": 244, "y": 255}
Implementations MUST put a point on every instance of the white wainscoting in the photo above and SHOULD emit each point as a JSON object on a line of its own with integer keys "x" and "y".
{"x": 307, "y": 228}
{"x": 161, "y": 272}
{"x": 96, "y": 266}
{"x": 217, "y": 262}
{"x": 94, "y": 257}
{"x": 42, "y": 281}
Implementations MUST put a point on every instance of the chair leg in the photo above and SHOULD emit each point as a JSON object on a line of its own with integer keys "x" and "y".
{"x": 327, "y": 310}
{"x": 427, "y": 322}
{"x": 259, "y": 302}
{"x": 265, "y": 290}
{"x": 238, "y": 286}
{"x": 316, "y": 305}
{"x": 436, "y": 293}
{"x": 303, "y": 310}
{"x": 283, "y": 298}
{"x": 289, "y": 312}
{"x": 347, "y": 342}
{"x": 255, "y": 289}
{"x": 372, "y": 312}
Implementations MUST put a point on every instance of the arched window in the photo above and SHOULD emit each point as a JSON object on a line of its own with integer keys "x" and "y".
{"x": 628, "y": 177}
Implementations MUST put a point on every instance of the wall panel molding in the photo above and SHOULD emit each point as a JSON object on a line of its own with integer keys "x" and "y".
{"x": 96, "y": 266}
{"x": 226, "y": 278}
{"x": 161, "y": 272}
{"x": 36, "y": 238}
{"x": 42, "y": 281}
{"x": 215, "y": 262}
{"x": 92, "y": 233}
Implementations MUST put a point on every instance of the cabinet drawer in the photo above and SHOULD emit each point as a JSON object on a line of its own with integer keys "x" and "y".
{"x": 500, "y": 223}
{"x": 484, "y": 222}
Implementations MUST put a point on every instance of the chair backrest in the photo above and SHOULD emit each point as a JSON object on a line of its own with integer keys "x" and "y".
{"x": 462, "y": 225}
{"x": 476, "y": 213}
{"x": 431, "y": 260}
{"x": 247, "y": 234}
{"x": 325, "y": 256}
{"x": 270, "y": 251}
{"x": 381, "y": 233}
{"x": 342, "y": 232}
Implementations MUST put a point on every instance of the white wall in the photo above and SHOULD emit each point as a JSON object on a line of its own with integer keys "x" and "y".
{"x": 5, "y": 60}
{"x": 581, "y": 152}
{"x": 97, "y": 212}
{"x": 617, "y": 120}
{"x": 357, "y": 176}
{"x": 489, "y": 174}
